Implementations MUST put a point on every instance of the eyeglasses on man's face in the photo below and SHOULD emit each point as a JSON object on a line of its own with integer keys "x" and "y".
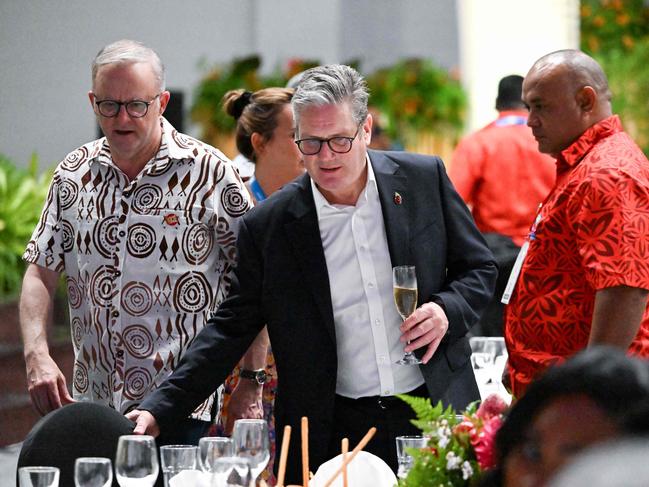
{"x": 339, "y": 144}
{"x": 135, "y": 108}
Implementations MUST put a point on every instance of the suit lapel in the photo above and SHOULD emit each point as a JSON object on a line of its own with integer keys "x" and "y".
{"x": 393, "y": 193}
{"x": 304, "y": 235}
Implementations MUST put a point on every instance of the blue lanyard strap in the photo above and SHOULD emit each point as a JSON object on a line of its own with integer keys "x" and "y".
{"x": 511, "y": 120}
{"x": 257, "y": 192}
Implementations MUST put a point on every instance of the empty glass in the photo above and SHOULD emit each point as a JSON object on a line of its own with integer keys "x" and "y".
{"x": 251, "y": 442}
{"x": 210, "y": 449}
{"x": 93, "y": 472}
{"x": 404, "y": 458}
{"x": 232, "y": 472}
{"x": 136, "y": 461}
{"x": 176, "y": 458}
{"x": 38, "y": 476}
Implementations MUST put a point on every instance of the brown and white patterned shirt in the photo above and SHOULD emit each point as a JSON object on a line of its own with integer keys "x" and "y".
{"x": 147, "y": 261}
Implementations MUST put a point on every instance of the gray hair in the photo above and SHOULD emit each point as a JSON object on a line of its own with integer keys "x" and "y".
{"x": 329, "y": 85}
{"x": 128, "y": 51}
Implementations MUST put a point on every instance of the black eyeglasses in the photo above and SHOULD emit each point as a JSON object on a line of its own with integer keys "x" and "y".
{"x": 135, "y": 108}
{"x": 339, "y": 145}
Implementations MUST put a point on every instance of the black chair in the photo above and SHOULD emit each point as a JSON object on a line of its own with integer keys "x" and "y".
{"x": 77, "y": 430}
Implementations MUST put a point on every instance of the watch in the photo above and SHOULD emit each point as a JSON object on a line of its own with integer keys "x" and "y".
{"x": 259, "y": 376}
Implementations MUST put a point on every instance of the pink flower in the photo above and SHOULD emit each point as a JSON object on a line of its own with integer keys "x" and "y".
{"x": 493, "y": 405}
{"x": 484, "y": 443}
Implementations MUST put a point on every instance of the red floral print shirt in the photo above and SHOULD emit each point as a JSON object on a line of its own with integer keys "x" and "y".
{"x": 592, "y": 233}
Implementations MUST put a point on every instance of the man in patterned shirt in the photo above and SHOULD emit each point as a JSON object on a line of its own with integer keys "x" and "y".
{"x": 585, "y": 276}
{"x": 143, "y": 222}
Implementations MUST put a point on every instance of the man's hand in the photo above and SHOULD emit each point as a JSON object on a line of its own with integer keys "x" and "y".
{"x": 145, "y": 423}
{"x": 426, "y": 326}
{"x": 46, "y": 384}
{"x": 245, "y": 403}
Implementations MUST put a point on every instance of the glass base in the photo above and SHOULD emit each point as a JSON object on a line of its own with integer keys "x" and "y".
{"x": 408, "y": 359}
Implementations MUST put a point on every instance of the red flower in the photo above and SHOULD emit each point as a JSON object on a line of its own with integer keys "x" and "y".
{"x": 484, "y": 443}
{"x": 493, "y": 405}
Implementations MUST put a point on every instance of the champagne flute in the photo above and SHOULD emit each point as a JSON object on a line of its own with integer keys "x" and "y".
{"x": 404, "y": 283}
{"x": 136, "y": 461}
{"x": 93, "y": 472}
{"x": 38, "y": 476}
{"x": 251, "y": 442}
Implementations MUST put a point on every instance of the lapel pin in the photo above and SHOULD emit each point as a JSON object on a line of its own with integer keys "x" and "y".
{"x": 397, "y": 198}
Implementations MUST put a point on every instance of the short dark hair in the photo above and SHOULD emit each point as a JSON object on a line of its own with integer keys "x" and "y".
{"x": 510, "y": 93}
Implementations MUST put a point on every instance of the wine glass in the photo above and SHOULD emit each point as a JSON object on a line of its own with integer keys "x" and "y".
{"x": 232, "y": 472}
{"x": 251, "y": 442}
{"x": 38, "y": 476}
{"x": 483, "y": 357}
{"x": 404, "y": 284}
{"x": 136, "y": 461}
{"x": 210, "y": 449}
{"x": 93, "y": 472}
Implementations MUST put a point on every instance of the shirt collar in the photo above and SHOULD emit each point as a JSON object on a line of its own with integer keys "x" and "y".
{"x": 323, "y": 207}
{"x": 575, "y": 152}
{"x": 172, "y": 146}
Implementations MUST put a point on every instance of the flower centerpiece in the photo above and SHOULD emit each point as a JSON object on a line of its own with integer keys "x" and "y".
{"x": 461, "y": 446}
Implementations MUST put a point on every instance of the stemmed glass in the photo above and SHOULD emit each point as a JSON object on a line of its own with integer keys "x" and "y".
{"x": 136, "y": 461}
{"x": 404, "y": 284}
{"x": 483, "y": 357}
{"x": 93, "y": 472}
{"x": 38, "y": 476}
{"x": 251, "y": 442}
{"x": 232, "y": 472}
{"x": 210, "y": 449}
{"x": 174, "y": 459}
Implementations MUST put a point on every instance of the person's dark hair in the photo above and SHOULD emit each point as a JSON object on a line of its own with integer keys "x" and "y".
{"x": 510, "y": 93}
{"x": 606, "y": 375}
{"x": 255, "y": 112}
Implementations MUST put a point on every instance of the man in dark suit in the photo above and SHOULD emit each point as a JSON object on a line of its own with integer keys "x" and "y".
{"x": 315, "y": 266}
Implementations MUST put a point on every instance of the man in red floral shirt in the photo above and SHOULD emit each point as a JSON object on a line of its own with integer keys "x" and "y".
{"x": 584, "y": 278}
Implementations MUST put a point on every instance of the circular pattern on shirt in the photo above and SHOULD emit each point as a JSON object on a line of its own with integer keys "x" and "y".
{"x": 182, "y": 140}
{"x": 105, "y": 236}
{"x": 102, "y": 290}
{"x": 198, "y": 242}
{"x": 233, "y": 200}
{"x": 30, "y": 251}
{"x": 145, "y": 198}
{"x": 67, "y": 236}
{"x": 138, "y": 341}
{"x": 141, "y": 240}
{"x": 137, "y": 298}
{"x": 73, "y": 161}
{"x": 68, "y": 191}
{"x": 136, "y": 382}
{"x": 191, "y": 293}
{"x": 80, "y": 379}
{"x": 77, "y": 331}
{"x": 74, "y": 293}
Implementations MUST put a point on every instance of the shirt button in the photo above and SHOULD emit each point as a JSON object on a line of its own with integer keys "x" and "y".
{"x": 377, "y": 322}
{"x": 115, "y": 313}
{"x": 387, "y": 392}
{"x": 122, "y": 233}
{"x": 370, "y": 285}
{"x": 120, "y": 353}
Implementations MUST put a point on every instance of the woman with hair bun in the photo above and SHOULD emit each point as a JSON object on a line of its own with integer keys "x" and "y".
{"x": 264, "y": 135}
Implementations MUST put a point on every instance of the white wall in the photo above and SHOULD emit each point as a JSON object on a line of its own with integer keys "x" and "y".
{"x": 46, "y": 48}
{"x": 502, "y": 37}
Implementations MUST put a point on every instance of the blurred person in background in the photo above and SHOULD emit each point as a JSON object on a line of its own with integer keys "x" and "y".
{"x": 265, "y": 135}
{"x": 502, "y": 176}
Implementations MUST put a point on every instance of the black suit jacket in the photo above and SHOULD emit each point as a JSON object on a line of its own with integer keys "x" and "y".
{"x": 281, "y": 281}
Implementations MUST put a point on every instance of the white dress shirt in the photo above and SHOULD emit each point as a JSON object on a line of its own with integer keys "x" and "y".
{"x": 360, "y": 278}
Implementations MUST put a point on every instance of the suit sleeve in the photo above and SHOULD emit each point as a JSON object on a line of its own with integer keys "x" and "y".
{"x": 470, "y": 266}
{"x": 219, "y": 346}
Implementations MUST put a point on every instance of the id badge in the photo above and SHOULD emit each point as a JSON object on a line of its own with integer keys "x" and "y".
{"x": 516, "y": 270}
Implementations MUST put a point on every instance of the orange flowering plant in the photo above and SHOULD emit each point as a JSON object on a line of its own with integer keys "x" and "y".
{"x": 461, "y": 446}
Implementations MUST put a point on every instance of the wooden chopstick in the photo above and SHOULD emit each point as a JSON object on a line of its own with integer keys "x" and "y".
{"x": 368, "y": 436}
{"x": 345, "y": 449}
{"x": 305, "y": 451}
{"x": 283, "y": 456}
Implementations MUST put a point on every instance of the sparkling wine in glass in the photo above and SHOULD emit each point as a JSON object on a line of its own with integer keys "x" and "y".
{"x": 93, "y": 472}
{"x": 136, "y": 461}
{"x": 251, "y": 442}
{"x": 404, "y": 283}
